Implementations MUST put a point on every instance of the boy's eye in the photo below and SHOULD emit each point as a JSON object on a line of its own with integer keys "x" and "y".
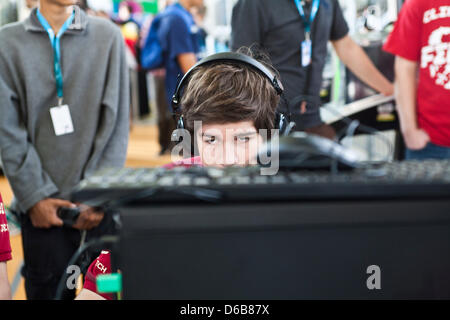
{"x": 210, "y": 140}
{"x": 242, "y": 139}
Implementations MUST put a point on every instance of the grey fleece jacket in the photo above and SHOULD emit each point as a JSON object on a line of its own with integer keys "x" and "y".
{"x": 37, "y": 163}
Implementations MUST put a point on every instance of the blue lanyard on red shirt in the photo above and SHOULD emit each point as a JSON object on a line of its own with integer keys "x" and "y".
{"x": 307, "y": 24}
{"x": 55, "y": 41}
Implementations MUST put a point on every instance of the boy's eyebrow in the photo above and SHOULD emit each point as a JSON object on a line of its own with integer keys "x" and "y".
{"x": 245, "y": 134}
{"x": 240, "y": 134}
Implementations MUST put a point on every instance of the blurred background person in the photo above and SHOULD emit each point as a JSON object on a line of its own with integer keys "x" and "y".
{"x": 420, "y": 41}
{"x": 130, "y": 20}
{"x": 295, "y": 34}
{"x": 199, "y": 13}
{"x": 64, "y": 115}
{"x": 177, "y": 35}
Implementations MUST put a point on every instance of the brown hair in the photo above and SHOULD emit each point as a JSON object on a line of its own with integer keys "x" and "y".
{"x": 226, "y": 92}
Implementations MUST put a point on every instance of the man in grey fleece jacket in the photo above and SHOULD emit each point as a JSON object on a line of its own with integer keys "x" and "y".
{"x": 42, "y": 167}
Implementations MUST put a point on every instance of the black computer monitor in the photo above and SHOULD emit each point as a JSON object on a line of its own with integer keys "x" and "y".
{"x": 386, "y": 249}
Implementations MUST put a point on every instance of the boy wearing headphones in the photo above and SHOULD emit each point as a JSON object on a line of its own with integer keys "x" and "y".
{"x": 227, "y": 104}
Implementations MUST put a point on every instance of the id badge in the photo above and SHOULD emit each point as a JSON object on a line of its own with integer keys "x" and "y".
{"x": 62, "y": 121}
{"x": 306, "y": 53}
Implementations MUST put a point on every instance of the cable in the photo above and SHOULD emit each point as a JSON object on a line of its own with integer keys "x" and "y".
{"x": 351, "y": 129}
{"x": 98, "y": 241}
{"x": 353, "y": 125}
{"x": 83, "y": 237}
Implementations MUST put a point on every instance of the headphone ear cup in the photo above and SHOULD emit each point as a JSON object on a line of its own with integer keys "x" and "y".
{"x": 180, "y": 123}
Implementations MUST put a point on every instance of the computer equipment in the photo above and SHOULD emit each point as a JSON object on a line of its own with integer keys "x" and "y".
{"x": 286, "y": 250}
{"x": 407, "y": 180}
{"x": 69, "y": 216}
{"x": 208, "y": 233}
{"x": 308, "y": 151}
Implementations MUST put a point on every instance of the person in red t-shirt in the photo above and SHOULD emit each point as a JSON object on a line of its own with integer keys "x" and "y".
{"x": 233, "y": 102}
{"x": 421, "y": 42}
{"x": 101, "y": 265}
{"x": 5, "y": 253}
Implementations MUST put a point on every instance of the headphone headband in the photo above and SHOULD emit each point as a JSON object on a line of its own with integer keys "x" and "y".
{"x": 281, "y": 122}
{"x": 228, "y": 57}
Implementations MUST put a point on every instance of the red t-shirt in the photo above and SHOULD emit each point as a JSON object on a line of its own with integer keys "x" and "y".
{"x": 101, "y": 265}
{"x": 422, "y": 34}
{"x": 5, "y": 246}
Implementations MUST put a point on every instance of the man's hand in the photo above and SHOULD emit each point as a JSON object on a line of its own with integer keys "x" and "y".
{"x": 88, "y": 219}
{"x": 44, "y": 213}
{"x": 388, "y": 89}
{"x": 416, "y": 139}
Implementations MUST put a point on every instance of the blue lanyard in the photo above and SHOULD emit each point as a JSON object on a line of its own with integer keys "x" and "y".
{"x": 55, "y": 41}
{"x": 312, "y": 16}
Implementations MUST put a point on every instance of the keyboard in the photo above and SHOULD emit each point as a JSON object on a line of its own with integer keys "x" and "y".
{"x": 408, "y": 179}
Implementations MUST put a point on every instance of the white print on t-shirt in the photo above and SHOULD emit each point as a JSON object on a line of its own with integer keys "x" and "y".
{"x": 436, "y": 57}
{"x": 2, "y": 208}
{"x": 433, "y": 14}
{"x": 3, "y": 228}
{"x": 100, "y": 266}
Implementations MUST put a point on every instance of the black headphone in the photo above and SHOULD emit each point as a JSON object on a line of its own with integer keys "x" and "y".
{"x": 281, "y": 121}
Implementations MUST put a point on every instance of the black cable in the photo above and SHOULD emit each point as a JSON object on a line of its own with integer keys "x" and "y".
{"x": 290, "y": 123}
{"x": 98, "y": 241}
